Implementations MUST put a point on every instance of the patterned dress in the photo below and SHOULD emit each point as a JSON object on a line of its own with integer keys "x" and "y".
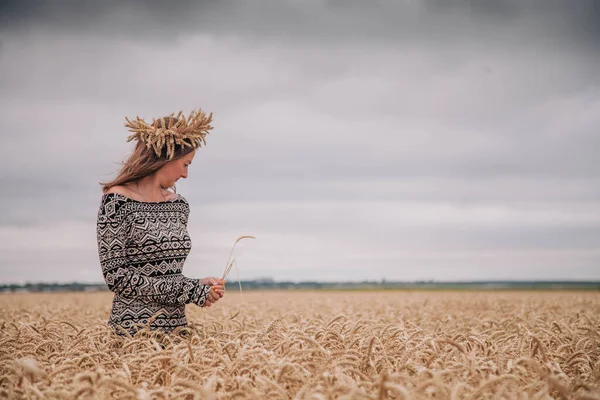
{"x": 142, "y": 247}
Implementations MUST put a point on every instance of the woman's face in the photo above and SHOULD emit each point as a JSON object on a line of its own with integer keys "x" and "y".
{"x": 172, "y": 171}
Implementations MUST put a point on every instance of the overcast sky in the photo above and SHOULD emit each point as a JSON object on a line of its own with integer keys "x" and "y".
{"x": 400, "y": 139}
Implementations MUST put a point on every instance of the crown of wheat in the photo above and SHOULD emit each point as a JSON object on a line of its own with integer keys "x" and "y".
{"x": 172, "y": 130}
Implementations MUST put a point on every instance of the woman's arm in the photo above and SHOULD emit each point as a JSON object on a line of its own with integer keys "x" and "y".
{"x": 112, "y": 234}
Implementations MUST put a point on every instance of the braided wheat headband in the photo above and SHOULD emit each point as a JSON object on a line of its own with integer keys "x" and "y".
{"x": 173, "y": 130}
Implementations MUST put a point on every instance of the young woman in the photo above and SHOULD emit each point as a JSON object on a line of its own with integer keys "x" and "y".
{"x": 142, "y": 228}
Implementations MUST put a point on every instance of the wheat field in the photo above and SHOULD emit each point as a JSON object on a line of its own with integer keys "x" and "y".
{"x": 310, "y": 345}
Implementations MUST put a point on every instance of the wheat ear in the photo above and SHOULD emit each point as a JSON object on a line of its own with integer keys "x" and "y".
{"x": 229, "y": 263}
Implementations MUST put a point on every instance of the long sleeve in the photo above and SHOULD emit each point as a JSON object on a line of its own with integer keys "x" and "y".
{"x": 113, "y": 228}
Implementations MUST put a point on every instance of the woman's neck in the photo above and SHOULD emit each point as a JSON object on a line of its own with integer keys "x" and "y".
{"x": 150, "y": 188}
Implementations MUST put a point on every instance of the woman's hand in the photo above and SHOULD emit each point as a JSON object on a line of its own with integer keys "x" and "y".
{"x": 211, "y": 298}
{"x": 217, "y": 289}
{"x": 217, "y": 284}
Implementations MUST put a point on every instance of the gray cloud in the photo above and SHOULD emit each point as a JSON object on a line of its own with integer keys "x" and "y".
{"x": 380, "y": 20}
{"x": 405, "y": 139}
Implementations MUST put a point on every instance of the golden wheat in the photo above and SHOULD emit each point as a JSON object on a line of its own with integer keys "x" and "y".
{"x": 231, "y": 261}
{"x": 177, "y": 130}
{"x": 310, "y": 345}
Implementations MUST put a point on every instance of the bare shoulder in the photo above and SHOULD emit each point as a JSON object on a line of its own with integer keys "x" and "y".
{"x": 169, "y": 195}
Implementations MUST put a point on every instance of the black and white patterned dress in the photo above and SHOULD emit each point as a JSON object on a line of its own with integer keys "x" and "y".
{"x": 142, "y": 247}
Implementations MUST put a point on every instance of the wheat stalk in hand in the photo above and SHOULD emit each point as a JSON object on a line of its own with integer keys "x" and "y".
{"x": 230, "y": 261}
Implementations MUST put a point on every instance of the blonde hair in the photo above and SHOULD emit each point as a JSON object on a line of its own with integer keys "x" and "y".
{"x": 144, "y": 161}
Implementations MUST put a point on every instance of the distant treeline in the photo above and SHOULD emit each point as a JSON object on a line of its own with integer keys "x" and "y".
{"x": 268, "y": 284}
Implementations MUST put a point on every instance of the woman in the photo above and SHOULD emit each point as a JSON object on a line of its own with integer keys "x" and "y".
{"x": 142, "y": 228}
